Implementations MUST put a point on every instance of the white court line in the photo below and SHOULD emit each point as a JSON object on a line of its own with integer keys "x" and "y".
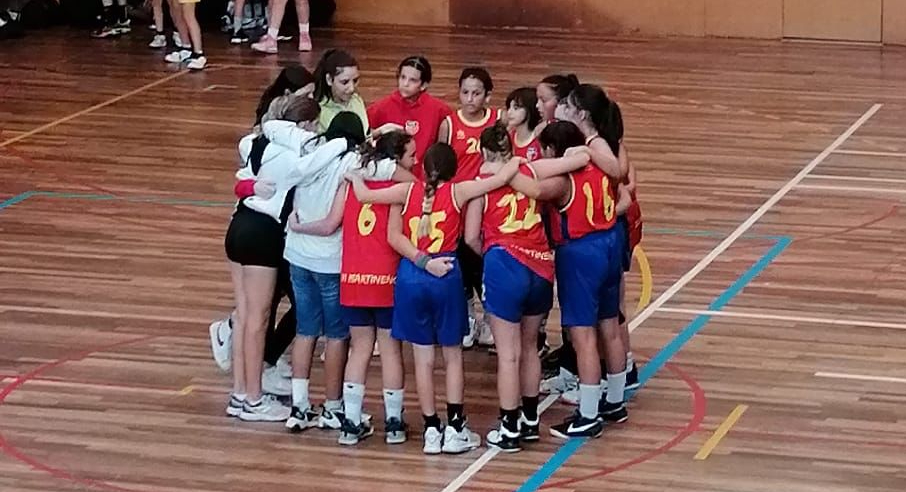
{"x": 780, "y": 317}
{"x": 745, "y": 226}
{"x": 640, "y": 318}
{"x": 860, "y": 377}
{"x": 855, "y": 178}
{"x": 851, "y": 188}
{"x": 488, "y": 455}
{"x": 870, "y": 153}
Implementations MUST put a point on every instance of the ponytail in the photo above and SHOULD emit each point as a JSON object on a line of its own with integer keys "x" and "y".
{"x": 440, "y": 166}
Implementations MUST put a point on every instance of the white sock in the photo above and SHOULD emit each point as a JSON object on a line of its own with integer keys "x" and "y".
{"x": 589, "y": 396}
{"x": 303, "y": 28}
{"x": 273, "y": 31}
{"x": 300, "y": 394}
{"x": 616, "y": 385}
{"x": 121, "y": 3}
{"x": 107, "y": 3}
{"x": 603, "y": 387}
{"x": 240, "y": 396}
{"x": 353, "y": 396}
{"x": 237, "y": 22}
{"x": 333, "y": 405}
{"x": 393, "y": 404}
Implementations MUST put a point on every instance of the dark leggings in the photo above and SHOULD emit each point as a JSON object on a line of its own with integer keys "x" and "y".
{"x": 280, "y": 335}
{"x": 472, "y": 266}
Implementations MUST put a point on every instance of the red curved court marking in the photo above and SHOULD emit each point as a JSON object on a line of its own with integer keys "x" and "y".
{"x": 698, "y": 415}
{"x": 12, "y": 451}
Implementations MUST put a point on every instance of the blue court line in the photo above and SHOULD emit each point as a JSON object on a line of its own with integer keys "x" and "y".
{"x": 536, "y": 480}
{"x": 16, "y": 199}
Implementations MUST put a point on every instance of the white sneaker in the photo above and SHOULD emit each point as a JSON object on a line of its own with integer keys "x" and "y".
{"x": 485, "y": 335}
{"x": 284, "y": 366}
{"x": 234, "y": 407}
{"x": 267, "y": 409}
{"x": 460, "y": 442}
{"x": 176, "y": 39}
{"x": 197, "y": 62}
{"x": 299, "y": 419}
{"x": 433, "y": 441}
{"x": 178, "y": 56}
{"x": 468, "y": 341}
{"x": 330, "y": 419}
{"x": 221, "y": 332}
{"x": 561, "y": 383}
{"x": 159, "y": 41}
{"x": 273, "y": 383}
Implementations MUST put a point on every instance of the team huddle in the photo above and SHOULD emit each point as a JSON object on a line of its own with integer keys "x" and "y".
{"x": 381, "y": 223}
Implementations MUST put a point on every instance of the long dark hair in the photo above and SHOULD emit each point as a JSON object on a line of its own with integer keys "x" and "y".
{"x": 605, "y": 114}
{"x": 527, "y": 99}
{"x": 439, "y": 165}
{"x": 291, "y": 79}
{"x": 345, "y": 124}
{"x": 331, "y": 63}
{"x": 390, "y": 145}
{"x": 562, "y": 85}
{"x": 561, "y": 135}
{"x": 419, "y": 63}
{"x": 496, "y": 139}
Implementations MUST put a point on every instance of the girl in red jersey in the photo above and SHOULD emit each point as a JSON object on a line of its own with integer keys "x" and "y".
{"x": 525, "y": 123}
{"x": 600, "y": 120}
{"x": 507, "y": 227}
{"x": 587, "y": 264}
{"x": 411, "y": 107}
{"x": 462, "y": 130}
{"x": 429, "y": 302}
{"x": 367, "y": 273}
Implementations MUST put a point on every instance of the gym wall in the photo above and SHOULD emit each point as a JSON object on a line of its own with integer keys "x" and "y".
{"x": 844, "y": 20}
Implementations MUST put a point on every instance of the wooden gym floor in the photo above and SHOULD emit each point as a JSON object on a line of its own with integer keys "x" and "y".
{"x": 773, "y": 182}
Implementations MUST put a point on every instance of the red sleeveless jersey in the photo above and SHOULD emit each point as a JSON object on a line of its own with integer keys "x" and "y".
{"x": 368, "y": 270}
{"x": 513, "y": 221}
{"x": 591, "y": 207}
{"x": 634, "y": 222}
{"x": 445, "y": 222}
{"x": 531, "y": 151}
{"x": 465, "y": 138}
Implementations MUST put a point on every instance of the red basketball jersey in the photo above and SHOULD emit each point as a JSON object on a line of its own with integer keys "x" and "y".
{"x": 591, "y": 207}
{"x": 513, "y": 222}
{"x": 465, "y": 138}
{"x": 368, "y": 270}
{"x": 634, "y": 222}
{"x": 530, "y": 151}
{"x": 445, "y": 221}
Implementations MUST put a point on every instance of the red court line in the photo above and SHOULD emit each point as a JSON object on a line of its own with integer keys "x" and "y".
{"x": 698, "y": 416}
{"x": 36, "y": 464}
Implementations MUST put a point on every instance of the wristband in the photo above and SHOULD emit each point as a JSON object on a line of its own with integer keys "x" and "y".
{"x": 421, "y": 260}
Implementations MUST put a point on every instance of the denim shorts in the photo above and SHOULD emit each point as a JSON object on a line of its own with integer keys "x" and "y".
{"x": 318, "y": 311}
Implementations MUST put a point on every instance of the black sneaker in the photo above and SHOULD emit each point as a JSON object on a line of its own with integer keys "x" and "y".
{"x": 578, "y": 426}
{"x": 504, "y": 439}
{"x": 239, "y": 37}
{"x": 351, "y": 434}
{"x": 632, "y": 378}
{"x": 395, "y": 431}
{"x": 529, "y": 430}
{"x": 612, "y": 412}
{"x": 299, "y": 419}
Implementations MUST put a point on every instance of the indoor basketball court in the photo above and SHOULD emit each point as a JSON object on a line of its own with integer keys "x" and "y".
{"x": 766, "y": 300}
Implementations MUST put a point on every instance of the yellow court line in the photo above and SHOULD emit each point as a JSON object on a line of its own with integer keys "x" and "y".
{"x": 92, "y": 108}
{"x": 645, "y": 271}
{"x": 720, "y": 432}
{"x": 188, "y": 389}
